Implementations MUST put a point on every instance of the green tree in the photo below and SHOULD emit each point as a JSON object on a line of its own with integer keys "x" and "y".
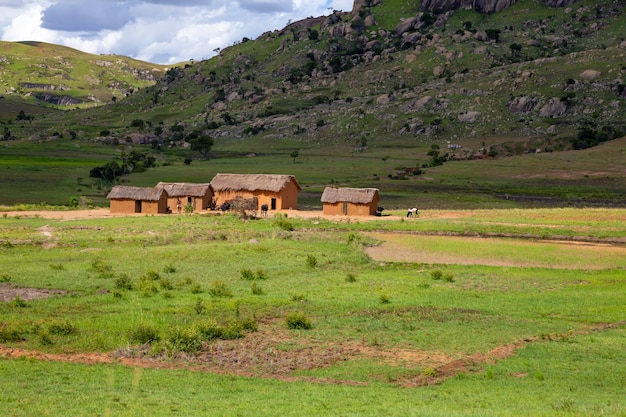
{"x": 294, "y": 155}
{"x": 202, "y": 144}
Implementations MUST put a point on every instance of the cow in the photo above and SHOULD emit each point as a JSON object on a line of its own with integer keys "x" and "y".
{"x": 412, "y": 212}
{"x": 264, "y": 208}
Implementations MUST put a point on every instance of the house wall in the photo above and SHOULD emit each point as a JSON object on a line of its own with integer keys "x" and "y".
{"x": 336, "y": 209}
{"x": 285, "y": 199}
{"x": 122, "y": 206}
{"x": 154, "y": 207}
{"x": 198, "y": 203}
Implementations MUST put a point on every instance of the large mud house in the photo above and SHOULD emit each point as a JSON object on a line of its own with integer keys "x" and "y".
{"x": 279, "y": 192}
{"x": 350, "y": 201}
{"x": 198, "y": 196}
{"x": 126, "y": 199}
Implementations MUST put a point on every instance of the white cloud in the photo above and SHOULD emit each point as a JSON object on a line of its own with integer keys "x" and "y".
{"x": 160, "y": 31}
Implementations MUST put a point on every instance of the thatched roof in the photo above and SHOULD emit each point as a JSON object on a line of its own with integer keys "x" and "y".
{"x": 136, "y": 193}
{"x": 252, "y": 182}
{"x": 349, "y": 195}
{"x": 181, "y": 189}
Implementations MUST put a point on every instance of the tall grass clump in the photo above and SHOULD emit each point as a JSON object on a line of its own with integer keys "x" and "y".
{"x": 4, "y": 277}
{"x": 298, "y": 321}
{"x": 311, "y": 261}
{"x": 218, "y": 288}
{"x": 248, "y": 275}
{"x": 186, "y": 339}
{"x": 102, "y": 269}
{"x": 144, "y": 333}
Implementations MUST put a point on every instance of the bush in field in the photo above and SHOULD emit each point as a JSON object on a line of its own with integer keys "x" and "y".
{"x": 311, "y": 261}
{"x": 18, "y": 302}
{"x": 199, "y": 306}
{"x": 256, "y": 289}
{"x": 298, "y": 321}
{"x": 248, "y": 275}
{"x": 144, "y": 333}
{"x": 350, "y": 277}
{"x": 123, "y": 282}
{"x": 384, "y": 299}
{"x": 62, "y": 328}
{"x": 219, "y": 289}
{"x": 282, "y": 222}
{"x": 10, "y": 333}
{"x": 101, "y": 268}
{"x": 184, "y": 339}
{"x": 4, "y": 277}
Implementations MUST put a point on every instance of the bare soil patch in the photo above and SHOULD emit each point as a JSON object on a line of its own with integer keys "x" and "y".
{"x": 9, "y": 292}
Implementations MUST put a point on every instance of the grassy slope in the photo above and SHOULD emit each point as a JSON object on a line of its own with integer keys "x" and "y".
{"x": 72, "y": 72}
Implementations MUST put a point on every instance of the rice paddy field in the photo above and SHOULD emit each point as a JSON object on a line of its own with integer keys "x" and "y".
{"x": 509, "y": 312}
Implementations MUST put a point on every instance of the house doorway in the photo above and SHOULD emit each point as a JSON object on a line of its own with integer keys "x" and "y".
{"x": 137, "y": 206}
{"x": 273, "y": 204}
{"x": 344, "y": 209}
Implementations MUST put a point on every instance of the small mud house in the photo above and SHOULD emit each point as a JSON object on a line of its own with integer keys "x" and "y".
{"x": 125, "y": 199}
{"x": 350, "y": 201}
{"x": 198, "y": 196}
{"x": 279, "y": 192}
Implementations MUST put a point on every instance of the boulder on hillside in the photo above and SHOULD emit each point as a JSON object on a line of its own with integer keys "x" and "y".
{"x": 590, "y": 74}
{"x": 523, "y": 104}
{"x": 468, "y": 117}
{"x": 555, "y": 107}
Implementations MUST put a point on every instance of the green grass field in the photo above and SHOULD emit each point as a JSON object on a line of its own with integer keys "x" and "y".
{"x": 490, "y": 312}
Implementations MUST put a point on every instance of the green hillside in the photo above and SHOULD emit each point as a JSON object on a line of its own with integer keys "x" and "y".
{"x": 456, "y": 104}
{"x": 65, "y": 77}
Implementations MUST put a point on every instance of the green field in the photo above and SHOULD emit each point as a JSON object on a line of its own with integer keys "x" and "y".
{"x": 489, "y": 312}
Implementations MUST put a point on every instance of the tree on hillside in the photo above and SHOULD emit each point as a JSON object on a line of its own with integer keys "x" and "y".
{"x": 202, "y": 144}
{"x": 294, "y": 155}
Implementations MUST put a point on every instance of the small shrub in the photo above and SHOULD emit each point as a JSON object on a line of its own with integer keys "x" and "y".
{"x": 57, "y": 267}
{"x": 18, "y": 302}
{"x": 144, "y": 333}
{"x": 4, "y": 277}
{"x": 284, "y": 224}
{"x": 384, "y": 299}
{"x": 298, "y": 321}
{"x": 196, "y": 288}
{"x": 10, "y": 334}
{"x": 147, "y": 286}
{"x": 247, "y": 274}
{"x": 301, "y": 298}
{"x": 350, "y": 277}
{"x": 44, "y": 337}
{"x": 199, "y": 306}
{"x": 151, "y": 276}
{"x": 184, "y": 339}
{"x": 169, "y": 269}
{"x": 123, "y": 282}
{"x": 260, "y": 274}
{"x": 219, "y": 289}
{"x": 249, "y": 324}
{"x": 210, "y": 330}
{"x": 311, "y": 261}
{"x": 103, "y": 269}
{"x": 436, "y": 274}
{"x": 62, "y": 328}
{"x": 448, "y": 277}
{"x": 256, "y": 289}
{"x": 430, "y": 372}
{"x": 166, "y": 284}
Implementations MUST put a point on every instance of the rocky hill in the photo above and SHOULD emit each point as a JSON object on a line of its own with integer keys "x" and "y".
{"x": 549, "y": 71}
{"x": 65, "y": 77}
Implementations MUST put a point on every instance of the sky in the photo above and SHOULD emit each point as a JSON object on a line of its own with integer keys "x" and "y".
{"x": 157, "y": 31}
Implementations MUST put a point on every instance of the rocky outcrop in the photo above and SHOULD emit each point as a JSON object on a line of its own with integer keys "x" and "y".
{"x": 523, "y": 104}
{"x": 553, "y": 108}
{"x": 482, "y": 6}
{"x": 360, "y": 4}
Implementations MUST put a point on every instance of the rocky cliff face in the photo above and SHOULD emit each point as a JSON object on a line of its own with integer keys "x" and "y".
{"x": 482, "y": 6}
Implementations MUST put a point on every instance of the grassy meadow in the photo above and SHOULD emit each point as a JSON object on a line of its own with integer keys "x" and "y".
{"x": 488, "y": 312}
